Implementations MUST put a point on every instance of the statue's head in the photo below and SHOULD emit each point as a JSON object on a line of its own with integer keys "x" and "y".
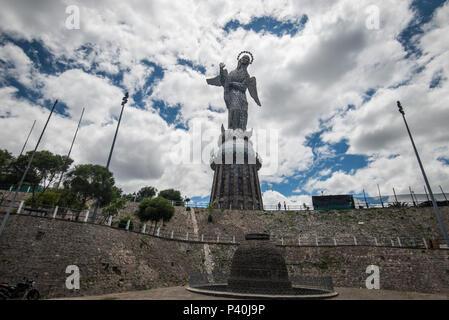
{"x": 245, "y": 58}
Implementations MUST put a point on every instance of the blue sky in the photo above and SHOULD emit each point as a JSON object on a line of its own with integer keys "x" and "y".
{"x": 328, "y": 82}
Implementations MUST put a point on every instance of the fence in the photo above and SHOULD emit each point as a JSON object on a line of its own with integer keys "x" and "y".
{"x": 24, "y": 188}
{"x": 360, "y": 202}
{"x": 74, "y": 215}
{"x": 199, "y": 280}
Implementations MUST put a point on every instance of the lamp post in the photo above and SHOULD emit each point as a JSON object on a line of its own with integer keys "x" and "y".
{"x": 71, "y": 146}
{"x": 435, "y": 206}
{"x": 26, "y": 141}
{"x": 124, "y": 101}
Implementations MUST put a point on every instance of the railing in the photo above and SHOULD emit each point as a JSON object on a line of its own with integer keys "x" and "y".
{"x": 360, "y": 202}
{"x": 73, "y": 215}
{"x": 424, "y": 242}
{"x": 199, "y": 280}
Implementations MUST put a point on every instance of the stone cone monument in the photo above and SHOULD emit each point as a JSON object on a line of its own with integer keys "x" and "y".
{"x": 236, "y": 164}
{"x": 259, "y": 267}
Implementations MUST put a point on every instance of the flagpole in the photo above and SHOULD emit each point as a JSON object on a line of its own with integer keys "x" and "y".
{"x": 435, "y": 206}
{"x": 71, "y": 146}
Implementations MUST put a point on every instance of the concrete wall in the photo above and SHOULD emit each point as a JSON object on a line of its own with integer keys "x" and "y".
{"x": 109, "y": 260}
{"x": 112, "y": 260}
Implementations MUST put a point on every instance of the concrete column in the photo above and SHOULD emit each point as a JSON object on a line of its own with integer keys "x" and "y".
{"x": 355, "y": 240}
{"x": 158, "y": 231}
{"x": 20, "y": 207}
{"x": 127, "y": 224}
{"x": 218, "y": 238}
{"x": 252, "y": 181}
{"x": 217, "y": 194}
{"x": 109, "y": 220}
{"x": 55, "y": 212}
{"x": 171, "y": 235}
{"x": 236, "y": 187}
{"x": 86, "y": 216}
{"x": 187, "y": 236}
{"x": 258, "y": 189}
{"x": 214, "y": 185}
{"x": 144, "y": 228}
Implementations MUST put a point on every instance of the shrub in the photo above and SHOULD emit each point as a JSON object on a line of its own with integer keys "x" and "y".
{"x": 123, "y": 221}
{"x": 155, "y": 209}
{"x": 209, "y": 218}
{"x": 44, "y": 199}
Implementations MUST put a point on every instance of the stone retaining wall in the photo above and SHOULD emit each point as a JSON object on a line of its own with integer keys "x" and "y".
{"x": 112, "y": 260}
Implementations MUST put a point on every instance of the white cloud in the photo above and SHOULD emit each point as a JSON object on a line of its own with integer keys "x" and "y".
{"x": 301, "y": 80}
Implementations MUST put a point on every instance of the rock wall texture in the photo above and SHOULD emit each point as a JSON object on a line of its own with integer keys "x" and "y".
{"x": 109, "y": 260}
{"x": 112, "y": 260}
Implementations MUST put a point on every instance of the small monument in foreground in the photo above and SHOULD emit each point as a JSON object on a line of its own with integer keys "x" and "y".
{"x": 236, "y": 164}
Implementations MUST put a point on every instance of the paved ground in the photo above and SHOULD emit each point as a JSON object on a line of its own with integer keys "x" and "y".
{"x": 180, "y": 293}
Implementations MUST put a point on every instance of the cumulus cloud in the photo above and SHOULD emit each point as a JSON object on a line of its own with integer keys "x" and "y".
{"x": 304, "y": 81}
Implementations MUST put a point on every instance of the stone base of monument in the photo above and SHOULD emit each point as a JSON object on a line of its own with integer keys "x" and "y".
{"x": 258, "y": 271}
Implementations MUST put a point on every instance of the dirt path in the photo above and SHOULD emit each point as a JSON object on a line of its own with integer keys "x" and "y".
{"x": 208, "y": 262}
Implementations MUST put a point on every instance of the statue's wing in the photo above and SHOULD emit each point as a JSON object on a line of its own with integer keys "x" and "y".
{"x": 214, "y": 81}
{"x": 253, "y": 89}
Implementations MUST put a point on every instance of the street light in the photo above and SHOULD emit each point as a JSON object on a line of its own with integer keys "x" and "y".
{"x": 124, "y": 101}
{"x": 435, "y": 206}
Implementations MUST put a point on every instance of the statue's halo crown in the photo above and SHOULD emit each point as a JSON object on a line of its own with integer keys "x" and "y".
{"x": 252, "y": 58}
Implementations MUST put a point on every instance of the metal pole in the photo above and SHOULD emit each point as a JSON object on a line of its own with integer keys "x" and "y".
{"x": 416, "y": 198}
{"x": 8, "y": 213}
{"x": 71, "y": 146}
{"x": 435, "y": 206}
{"x": 426, "y": 193}
{"x": 411, "y": 195}
{"x": 364, "y": 196}
{"x": 380, "y": 196}
{"x": 26, "y": 141}
{"x": 444, "y": 195}
{"x": 124, "y": 101}
{"x": 395, "y": 196}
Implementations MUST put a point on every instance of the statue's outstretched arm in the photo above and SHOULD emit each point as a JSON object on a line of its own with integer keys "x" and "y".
{"x": 252, "y": 88}
{"x": 220, "y": 79}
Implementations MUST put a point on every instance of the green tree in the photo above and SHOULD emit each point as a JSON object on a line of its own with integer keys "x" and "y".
{"x": 70, "y": 199}
{"x": 44, "y": 168}
{"x": 155, "y": 209}
{"x": 91, "y": 182}
{"x": 6, "y": 161}
{"x": 47, "y": 199}
{"x": 173, "y": 195}
{"x": 114, "y": 207}
{"x": 147, "y": 192}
